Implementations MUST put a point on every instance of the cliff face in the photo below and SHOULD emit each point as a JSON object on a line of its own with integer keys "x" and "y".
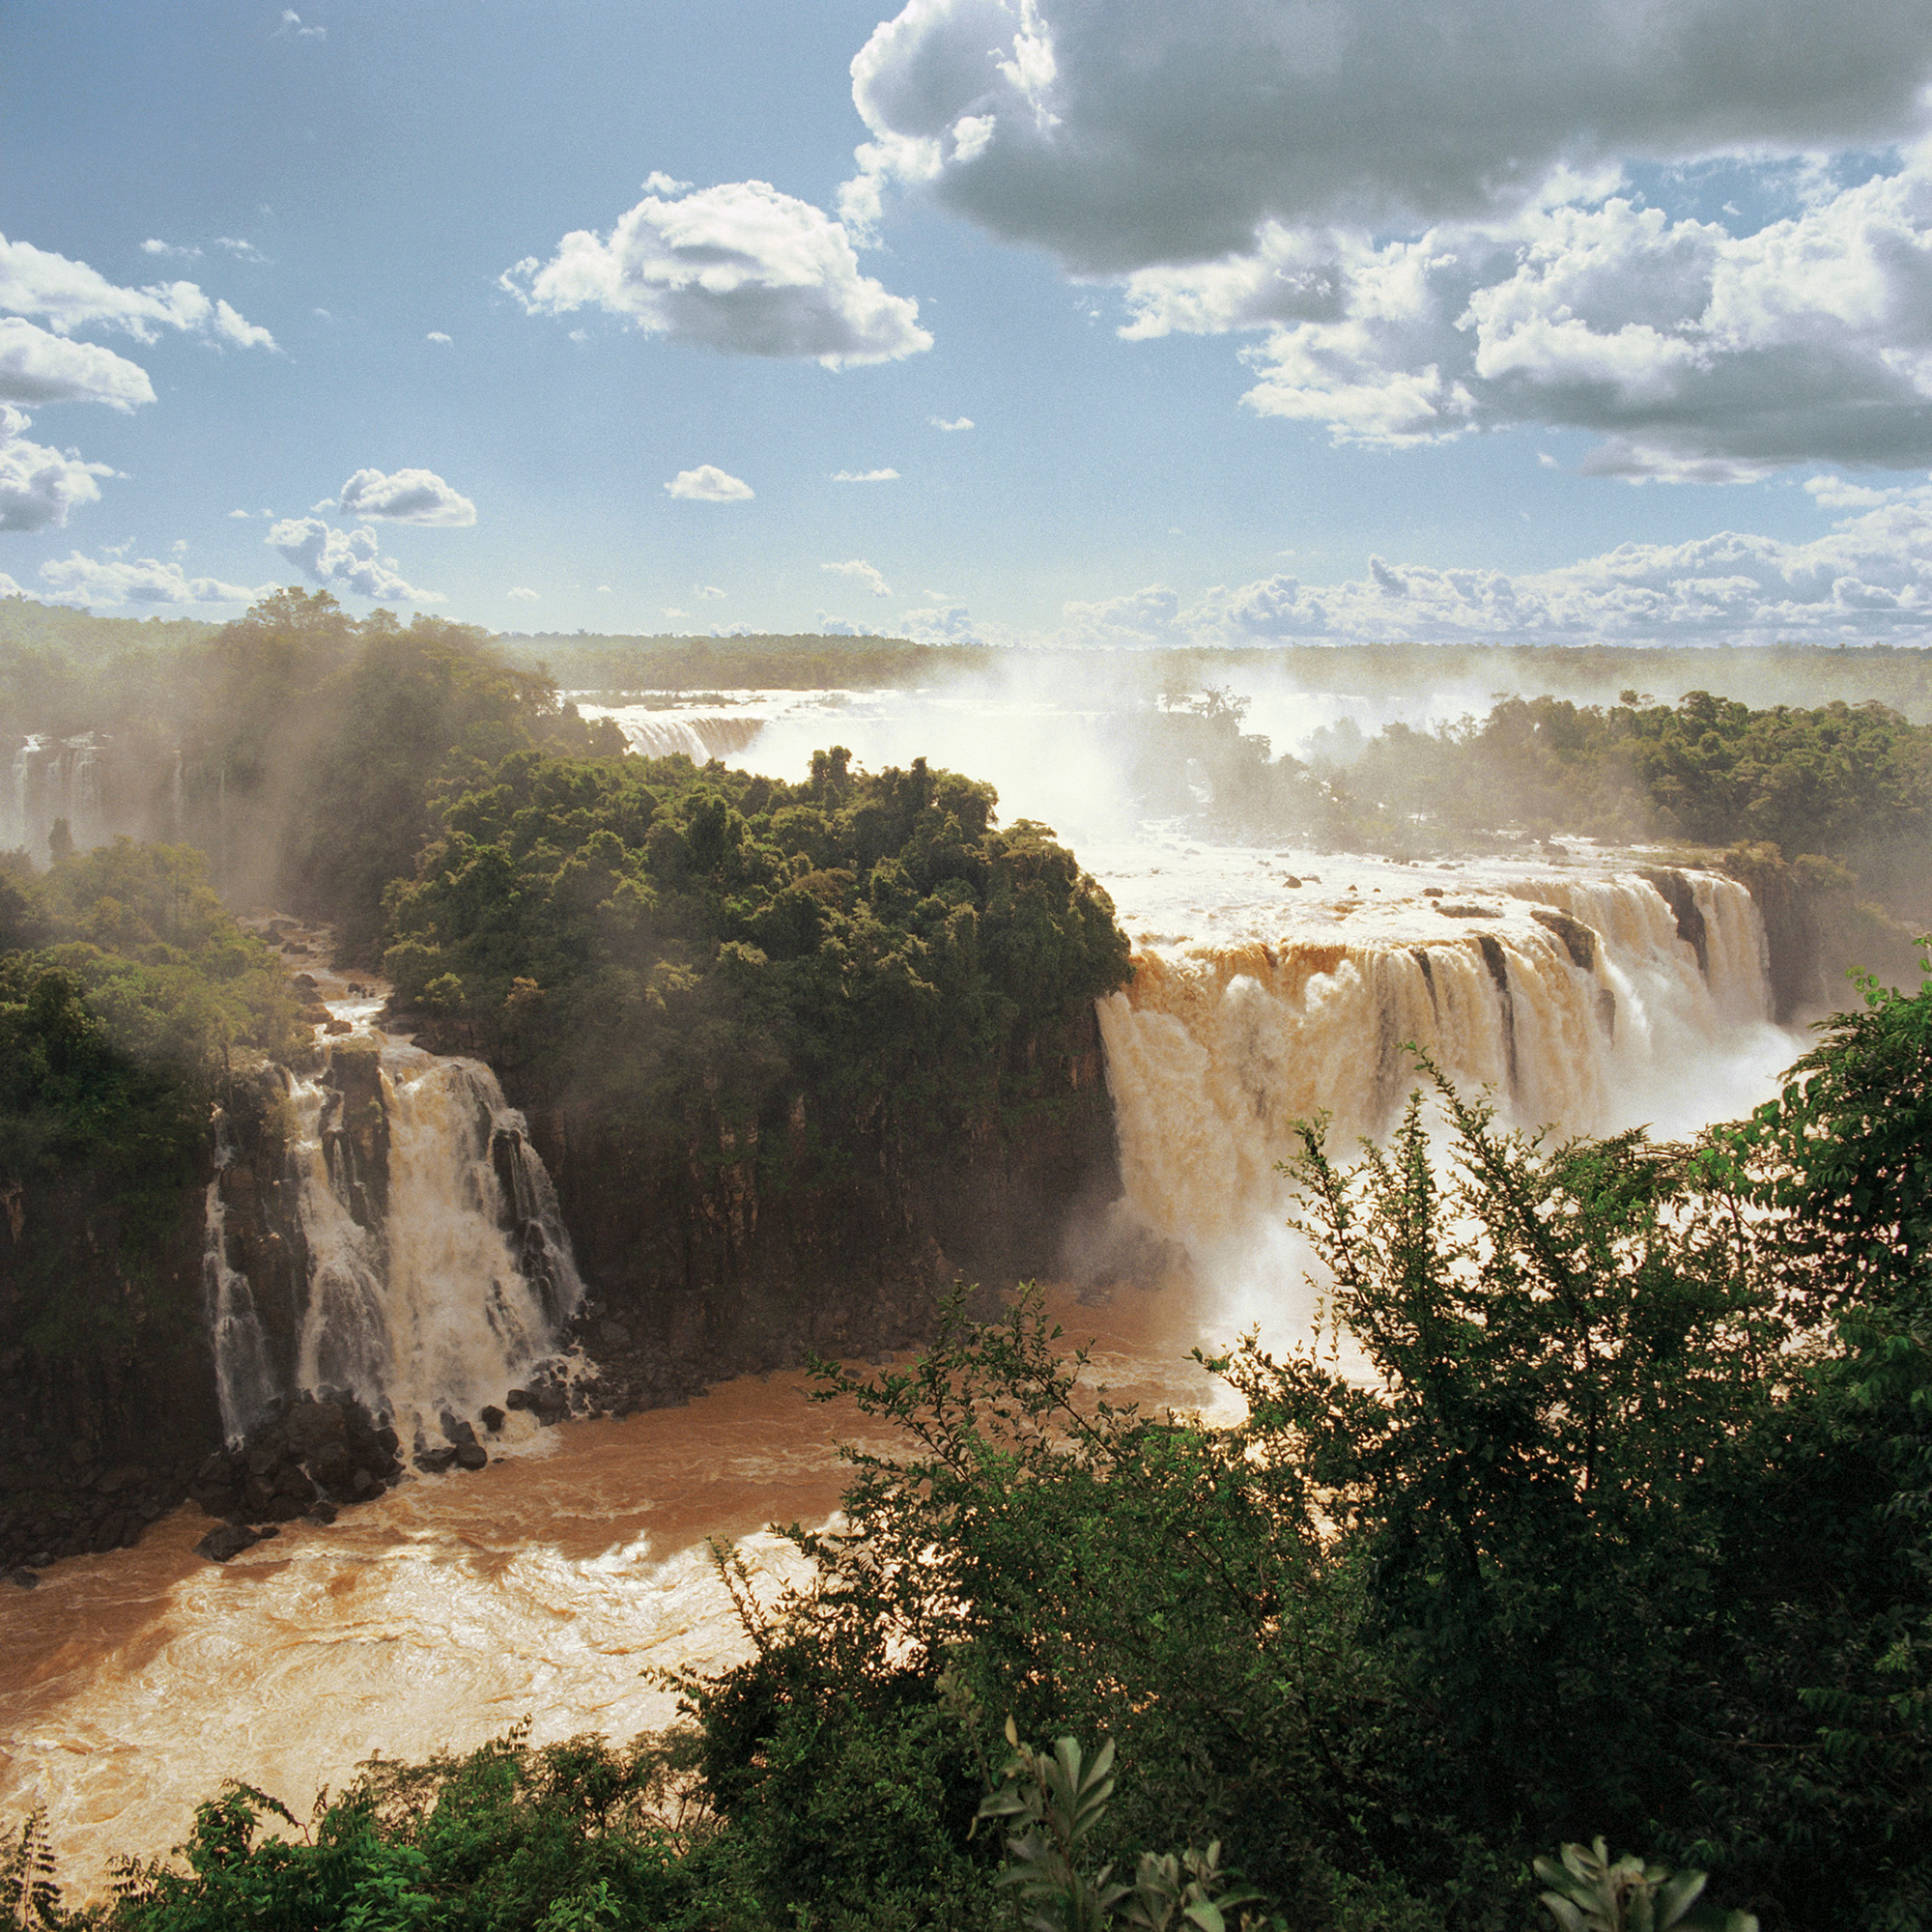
{"x": 725, "y": 1260}
{"x": 106, "y": 1378}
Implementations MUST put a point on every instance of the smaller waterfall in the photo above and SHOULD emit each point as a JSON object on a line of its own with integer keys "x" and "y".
{"x": 435, "y": 1270}
{"x": 665, "y": 735}
{"x": 244, "y": 1379}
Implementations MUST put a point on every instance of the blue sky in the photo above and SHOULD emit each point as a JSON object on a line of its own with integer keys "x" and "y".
{"x": 1271, "y": 319}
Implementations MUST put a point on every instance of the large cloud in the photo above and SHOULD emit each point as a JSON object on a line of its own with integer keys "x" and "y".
{"x": 1870, "y": 576}
{"x": 1427, "y": 205}
{"x": 1699, "y": 353}
{"x": 69, "y": 294}
{"x": 1120, "y": 133}
{"x": 86, "y": 579}
{"x": 39, "y": 486}
{"x": 37, "y": 367}
{"x": 347, "y": 559}
{"x": 407, "y": 497}
{"x": 738, "y": 268}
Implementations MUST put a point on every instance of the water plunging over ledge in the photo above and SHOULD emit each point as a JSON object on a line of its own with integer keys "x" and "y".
{"x": 434, "y": 1269}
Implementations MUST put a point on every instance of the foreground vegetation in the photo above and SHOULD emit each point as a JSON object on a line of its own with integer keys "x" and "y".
{"x": 1628, "y": 1537}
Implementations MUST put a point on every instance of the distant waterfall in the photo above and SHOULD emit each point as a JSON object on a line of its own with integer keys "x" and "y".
{"x": 699, "y": 739}
{"x": 435, "y": 1267}
{"x": 53, "y": 778}
{"x": 1583, "y": 1004}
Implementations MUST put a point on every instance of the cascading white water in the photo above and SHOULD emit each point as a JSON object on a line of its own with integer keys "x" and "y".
{"x": 245, "y": 1376}
{"x": 659, "y": 735}
{"x": 1214, "y": 1054}
{"x": 439, "y": 1268}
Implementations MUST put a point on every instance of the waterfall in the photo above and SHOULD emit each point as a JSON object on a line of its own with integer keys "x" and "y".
{"x": 437, "y": 1270}
{"x": 1583, "y": 1004}
{"x": 700, "y": 739}
{"x": 244, "y": 1379}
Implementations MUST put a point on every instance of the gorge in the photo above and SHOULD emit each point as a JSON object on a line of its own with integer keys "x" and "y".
{"x": 563, "y": 1170}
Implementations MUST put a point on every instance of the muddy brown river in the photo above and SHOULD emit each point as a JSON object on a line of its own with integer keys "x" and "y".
{"x": 543, "y": 1587}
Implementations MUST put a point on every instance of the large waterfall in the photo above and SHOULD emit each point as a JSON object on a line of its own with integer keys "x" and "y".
{"x": 432, "y": 1267}
{"x": 1582, "y": 1004}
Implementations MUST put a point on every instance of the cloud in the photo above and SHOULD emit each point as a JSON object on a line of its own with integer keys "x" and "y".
{"x": 738, "y": 268}
{"x": 1426, "y": 213}
{"x": 705, "y": 591}
{"x": 39, "y": 486}
{"x": 1836, "y": 493}
{"x": 943, "y": 624}
{"x": 1870, "y": 576}
{"x": 1697, "y": 354}
{"x": 866, "y": 574}
{"x": 708, "y": 484}
{"x": 865, "y": 476}
{"x": 657, "y": 181}
{"x": 85, "y": 580}
{"x": 292, "y": 28}
{"x": 436, "y": 335}
{"x": 37, "y": 367}
{"x": 70, "y": 294}
{"x": 672, "y": 611}
{"x": 520, "y": 590}
{"x": 1124, "y": 133}
{"x": 408, "y": 497}
{"x": 154, "y": 246}
{"x": 241, "y": 250}
{"x": 349, "y": 559}
{"x": 7, "y": 587}
{"x": 605, "y": 589}
{"x": 958, "y": 423}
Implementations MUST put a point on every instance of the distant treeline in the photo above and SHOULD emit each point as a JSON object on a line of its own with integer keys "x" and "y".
{"x": 48, "y": 653}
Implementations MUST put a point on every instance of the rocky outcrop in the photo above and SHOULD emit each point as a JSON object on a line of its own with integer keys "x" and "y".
{"x": 306, "y": 1460}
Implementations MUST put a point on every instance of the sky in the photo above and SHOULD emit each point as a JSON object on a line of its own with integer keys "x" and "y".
{"x": 1035, "y": 322}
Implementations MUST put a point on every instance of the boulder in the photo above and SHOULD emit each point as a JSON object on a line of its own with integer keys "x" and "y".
{"x": 22, "y": 1578}
{"x": 491, "y": 1417}
{"x": 471, "y": 1455}
{"x": 434, "y": 1461}
{"x": 225, "y": 1542}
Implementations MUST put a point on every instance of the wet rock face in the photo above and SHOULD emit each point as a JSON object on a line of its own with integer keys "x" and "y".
{"x": 308, "y": 1459}
{"x": 800, "y": 1235}
{"x": 106, "y": 1383}
{"x": 1678, "y": 894}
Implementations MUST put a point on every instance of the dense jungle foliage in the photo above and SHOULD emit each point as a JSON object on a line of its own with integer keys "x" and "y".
{"x": 1629, "y": 1534}
{"x": 686, "y": 947}
{"x": 124, "y": 987}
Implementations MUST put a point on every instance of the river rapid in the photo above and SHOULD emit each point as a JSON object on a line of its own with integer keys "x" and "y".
{"x": 546, "y": 1586}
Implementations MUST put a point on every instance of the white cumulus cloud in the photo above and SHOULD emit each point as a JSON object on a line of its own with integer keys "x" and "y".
{"x": 708, "y": 484}
{"x": 863, "y": 572}
{"x": 153, "y": 245}
{"x": 38, "y": 485}
{"x": 349, "y": 559}
{"x": 436, "y": 335}
{"x": 950, "y": 428}
{"x": 520, "y": 590}
{"x": 69, "y": 294}
{"x": 407, "y": 496}
{"x": 705, "y": 591}
{"x": 865, "y": 476}
{"x": 37, "y": 367}
{"x": 85, "y": 580}
{"x": 292, "y": 28}
{"x": 738, "y": 268}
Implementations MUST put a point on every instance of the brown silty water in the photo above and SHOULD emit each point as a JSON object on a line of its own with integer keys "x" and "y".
{"x": 545, "y": 1586}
